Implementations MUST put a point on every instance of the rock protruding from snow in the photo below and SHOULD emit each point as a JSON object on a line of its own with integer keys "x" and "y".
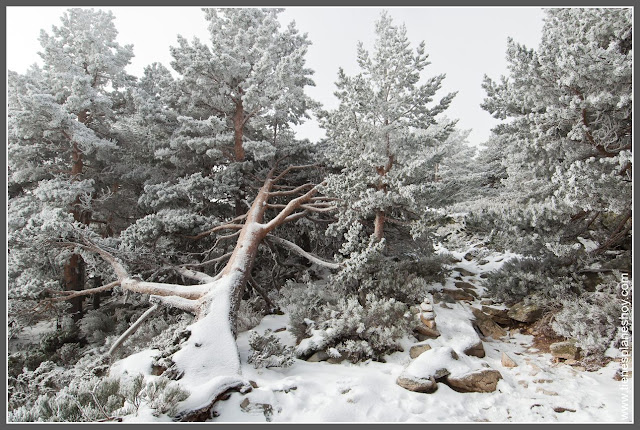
{"x": 318, "y": 356}
{"x": 457, "y": 294}
{"x": 463, "y": 272}
{"x": 496, "y": 314}
{"x": 525, "y": 312}
{"x": 475, "y": 350}
{"x": 481, "y": 381}
{"x": 443, "y": 364}
{"x": 567, "y": 349}
{"x": 507, "y": 361}
{"x": 416, "y": 350}
{"x": 486, "y": 325}
{"x": 419, "y": 385}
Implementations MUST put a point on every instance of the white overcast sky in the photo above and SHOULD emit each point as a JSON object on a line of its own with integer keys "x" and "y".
{"x": 464, "y": 43}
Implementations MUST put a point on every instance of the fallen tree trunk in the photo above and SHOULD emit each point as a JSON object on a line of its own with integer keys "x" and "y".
{"x": 208, "y": 360}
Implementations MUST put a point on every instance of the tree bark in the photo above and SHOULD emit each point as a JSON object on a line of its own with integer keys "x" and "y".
{"x": 238, "y": 125}
{"x": 378, "y": 225}
{"x": 74, "y": 269}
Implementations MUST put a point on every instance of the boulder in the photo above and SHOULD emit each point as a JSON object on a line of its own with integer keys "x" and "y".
{"x": 525, "y": 313}
{"x": 485, "y": 302}
{"x": 419, "y": 385}
{"x": 468, "y": 256}
{"x": 429, "y": 333}
{"x": 507, "y": 361}
{"x": 475, "y": 350}
{"x": 486, "y": 325}
{"x": 463, "y": 272}
{"x": 465, "y": 285}
{"x": 498, "y": 315}
{"x": 481, "y": 381}
{"x": 567, "y": 350}
{"x": 318, "y": 356}
{"x": 457, "y": 294}
{"x": 416, "y": 350}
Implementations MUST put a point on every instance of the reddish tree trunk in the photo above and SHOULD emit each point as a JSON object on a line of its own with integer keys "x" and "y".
{"x": 378, "y": 225}
{"x": 74, "y": 269}
{"x": 238, "y": 125}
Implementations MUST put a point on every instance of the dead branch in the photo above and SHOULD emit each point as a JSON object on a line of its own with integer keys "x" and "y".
{"x": 295, "y": 248}
{"x": 294, "y": 204}
{"x": 211, "y": 261}
{"x": 291, "y": 192}
{"x": 316, "y": 208}
{"x": 290, "y": 168}
{"x": 68, "y": 295}
{"x": 214, "y": 229}
{"x": 262, "y": 293}
{"x": 134, "y": 327}
{"x": 201, "y": 277}
{"x": 192, "y": 306}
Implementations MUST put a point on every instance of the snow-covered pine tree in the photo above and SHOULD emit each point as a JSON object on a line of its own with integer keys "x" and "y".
{"x": 382, "y": 136}
{"x": 566, "y": 138}
{"x": 60, "y": 149}
{"x": 242, "y": 92}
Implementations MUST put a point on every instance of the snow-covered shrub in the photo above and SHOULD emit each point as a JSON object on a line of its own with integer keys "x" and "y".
{"x": 592, "y": 319}
{"x": 96, "y": 325}
{"x": 519, "y": 278}
{"x": 267, "y": 351}
{"x": 358, "y": 331}
{"x": 69, "y": 353}
{"x": 83, "y": 399}
{"x": 248, "y": 317}
{"x": 304, "y": 302}
{"x": 163, "y": 396}
{"x": 52, "y": 341}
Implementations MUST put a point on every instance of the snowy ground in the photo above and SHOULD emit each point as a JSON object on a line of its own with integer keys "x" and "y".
{"x": 537, "y": 390}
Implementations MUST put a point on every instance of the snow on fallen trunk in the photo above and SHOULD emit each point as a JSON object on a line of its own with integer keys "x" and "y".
{"x": 211, "y": 348}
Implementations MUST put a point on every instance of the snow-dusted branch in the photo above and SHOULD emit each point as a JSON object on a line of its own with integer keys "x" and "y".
{"x": 211, "y": 261}
{"x": 291, "y": 192}
{"x": 201, "y": 277}
{"x": 214, "y": 229}
{"x": 290, "y": 168}
{"x": 295, "y": 248}
{"x": 192, "y": 306}
{"x": 68, "y": 295}
{"x": 131, "y": 329}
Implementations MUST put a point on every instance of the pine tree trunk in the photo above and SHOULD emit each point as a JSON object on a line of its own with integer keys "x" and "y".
{"x": 378, "y": 225}
{"x": 238, "y": 125}
{"x": 74, "y": 269}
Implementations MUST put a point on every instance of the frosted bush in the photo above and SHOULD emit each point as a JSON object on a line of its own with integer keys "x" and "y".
{"x": 267, "y": 351}
{"x": 96, "y": 325}
{"x": 248, "y": 317}
{"x": 591, "y": 319}
{"x": 520, "y": 278}
{"x": 358, "y": 331}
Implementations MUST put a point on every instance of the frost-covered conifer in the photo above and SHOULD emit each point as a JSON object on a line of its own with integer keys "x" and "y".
{"x": 384, "y": 136}
{"x": 60, "y": 148}
{"x": 566, "y": 138}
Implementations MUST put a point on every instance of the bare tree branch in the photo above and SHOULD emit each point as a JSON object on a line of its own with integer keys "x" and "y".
{"x": 192, "y": 306}
{"x": 291, "y": 192}
{"x": 124, "y": 336}
{"x": 201, "y": 277}
{"x": 290, "y": 168}
{"x": 295, "y": 248}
